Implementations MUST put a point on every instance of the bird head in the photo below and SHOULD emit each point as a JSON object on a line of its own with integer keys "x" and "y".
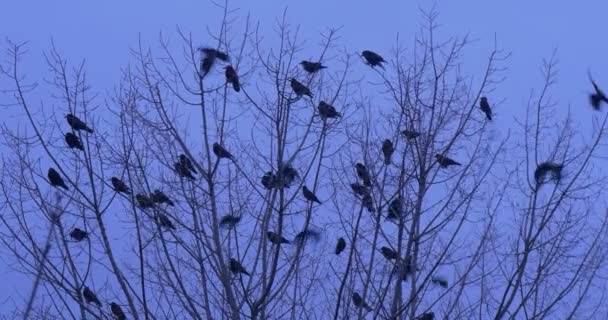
{"x": 303, "y": 62}
{"x": 484, "y": 99}
{"x": 69, "y": 115}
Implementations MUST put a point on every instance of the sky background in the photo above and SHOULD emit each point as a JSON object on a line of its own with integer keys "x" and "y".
{"x": 102, "y": 32}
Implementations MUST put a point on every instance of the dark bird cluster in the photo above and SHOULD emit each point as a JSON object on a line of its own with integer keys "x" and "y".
{"x": 373, "y": 59}
{"x": 485, "y": 107}
{"x": 300, "y": 89}
{"x": 311, "y": 67}
{"x": 548, "y": 171}
{"x": 598, "y": 96}
{"x": 445, "y": 162}
{"x": 327, "y": 111}
{"x": 208, "y": 57}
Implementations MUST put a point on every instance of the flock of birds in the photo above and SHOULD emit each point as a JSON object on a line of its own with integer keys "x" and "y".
{"x": 286, "y": 175}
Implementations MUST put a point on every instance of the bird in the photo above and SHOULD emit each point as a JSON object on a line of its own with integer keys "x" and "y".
{"x": 445, "y": 162}
{"x": 55, "y": 179}
{"x": 144, "y": 201}
{"x": 164, "y": 221}
{"x": 359, "y": 302}
{"x": 359, "y": 189}
{"x": 426, "y": 316}
{"x": 307, "y": 234}
{"x": 268, "y": 180}
{"x": 439, "y": 281}
{"x": 394, "y": 209}
{"x": 233, "y": 78}
{"x": 220, "y": 152}
{"x": 410, "y": 134}
{"x": 210, "y": 55}
{"x": 311, "y": 67}
{"x": 387, "y": 151}
{"x": 373, "y": 59}
{"x": 77, "y": 124}
{"x": 363, "y": 174}
{"x": 160, "y": 197}
{"x": 90, "y": 297}
{"x": 309, "y": 195}
{"x": 119, "y": 186}
{"x": 299, "y": 88}
{"x": 327, "y": 111}
{"x": 73, "y": 141}
{"x": 117, "y": 311}
{"x": 340, "y": 246}
{"x": 287, "y": 176}
{"x": 78, "y": 234}
{"x": 389, "y": 253}
{"x": 368, "y": 203}
{"x": 404, "y": 267}
{"x": 548, "y": 167}
{"x": 187, "y": 163}
{"x": 598, "y": 96}
{"x": 229, "y": 221}
{"x": 236, "y": 267}
{"x": 485, "y": 107}
{"x": 276, "y": 238}
{"x": 182, "y": 170}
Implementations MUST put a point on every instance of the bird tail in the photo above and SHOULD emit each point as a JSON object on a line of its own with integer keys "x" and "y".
{"x": 387, "y": 160}
{"x": 89, "y": 130}
{"x": 63, "y": 185}
{"x": 236, "y": 86}
{"x": 171, "y": 203}
{"x": 489, "y": 116}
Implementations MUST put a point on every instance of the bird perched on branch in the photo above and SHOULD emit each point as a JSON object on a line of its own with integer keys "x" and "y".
{"x": 119, "y": 186}
{"x": 160, "y": 197}
{"x": 485, "y": 107}
{"x": 90, "y": 297}
{"x": 300, "y": 89}
{"x": 144, "y": 201}
{"x": 387, "y": 151}
{"x": 544, "y": 168}
{"x": 164, "y": 221}
{"x": 426, "y": 316}
{"x": 445, "y": 162}
{"x": 359, "y": 302}
{"x": 77, "y": 124}
{"x": 55, "y": 179}
{"x": 117, "y": 311}
{"x": 73, "y": 141}
{"x": 309, "y": 195}
{"x": 410, "y": 134}
{"x": 395, "y": 209}
{"x": 359, "y": 189}
{"x": 187, "y": 163}
{"x": 598, "y": 97}
{"x": 229, "y": 221}
{"x": 221, "y": 152}
{"x": 236, "y": 267}
{"x": 340, "y": 246}
{"x": 233, "y": 78}
{"x": 439, "y": 281}
{"x": 276, "y": 238}
{"x": 311, "y": 67}
{"x": 368, "y": 203}
{"x": 182, "y": 170}
{"x": 388, "y": 253}
{"x": 373, "y": 59}
{"x": 78, "y": 234}
{"x": 327, "y": 111}
{"x": 307, "y": 234}
{"x": 268, "y": 180}
{"x": 363, "y": 174}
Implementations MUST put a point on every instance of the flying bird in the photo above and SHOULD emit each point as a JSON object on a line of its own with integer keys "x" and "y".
{"x": 117, "y": 311}
{"x": 359, "y": 302}
{"x": 598, "y": 96}
{"x": 387, "y": 151}
{"x": 90, "y": 297}
{"x": 144, "y": 201}
{"x": 311, "y": 67}
{"x": 389, "y": 253}
{"x": 363, "y": 174}
{"x": 182, "y": 170}
{"x": 445, "y": 162}
{"x": 233, "y": 78}
{"x": 410, "y": 134}
{"x": 276, "y": 238}
{"x": 119, "y": 186}
{"x": 77, "y": 124}
{"x": 229, "y": 221}
{"x": 268, "y": 180}
{"x": 299, "y": 88}
{"x": 236, "y": 267}
{"x": 78, "y": 234}
{"x": 309, "y": 195}
{"x": 373, "y": 59}
{"x": 439, "y": 281}
{"x": 208, "y": 60}
{"x": 340, "y": 246}
{"x": 548, "y": 167}
{"x": 359, "y": 189}
{"x": 215, "y": 53}
{"x": 73, "y": 141}
{"x": 164, "y": 221}
{"x": 220, "y": 152}
{"x": 187, "y": 163}
{"x": 55, "y": 179}
{"x": 485, "y": 107}
{"x": 327, "y": 111}
{"x": 160, "y": 197}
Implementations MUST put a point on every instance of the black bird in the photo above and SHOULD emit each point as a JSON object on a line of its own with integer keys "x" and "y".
{"x": 363, "y": 174}
{"x": 229, "y": 221}
{"x": 439, "y": 281}
{"x": 387, "y": 150}
{"x": 359, "y": 189}
{"x": 220, "y": 152}
{"x": 548, "y": 167}
{"x": 216, "y": 53}
{"x": 287, "y": 175}
{"x": 73, "y": 141}
{"x": 236, "y": 267}
{"x": 340, "y": 246}
{"x": 77, "y": 124}
{"x": 299, "y": 88}
{"x": 307, "y": 234}
{"x": 144, "y": 201}
{"x": 233, "y": 78}
{"x": 404, "y": 267}
{"x": 275, "y": 238}
{"x": 598, "y": 96}
{"x": 182, "y": 170}
{"x": 327, "y": 111}
{"x": 485, "y": 107}
{"x": 160, "y": 197}
{"x": 90, "y": 297}
{"x": 368, "y": 203}
{"x": 187, "y": 163}
{"x": 311, "y": 67}
{"x": 359, "y": 302}
{"x": 388, "y": 253}
{"x": 164, "y": 221}
{"x": 78, "y": 234}
{"x": 373, "y": 59}
{"x": 55, "y": 179}
{"x": 309, "y": 195}
{"x": 445, "y": 162}
{"x": 210, "y": 55}
{"x": 394, "y": 209}
{"x": 410, "y": 134}
{"x": 268, "y": 180}
{"x": 117, "y": 311}
{"x": 119, "y": 186}
{"x": 426, "y": 316}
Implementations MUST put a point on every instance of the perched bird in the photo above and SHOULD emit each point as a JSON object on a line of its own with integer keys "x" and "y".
{"x": 117, "y": 311}
{"x": 233, "y": 78}
{"x": 73, "y": 141}
{"x": 387, "y": 151}
{"x": 340, "y": 246}
{"x": 287, "y": 175}
{"x": 363, "y": 174}
{"x": 368, "y": 203}
{"x": 410, "y": 134}
{"x": 164, "y": 221}
{"x": 78, "y": 234}
{"x": 359, "y": 189}
{"x": 268, "y": 180}
{"x": 208, "y": 60}
{"x": 388, "y": 253}
{"x": 220, "y": 152}
{"x": 426, "y": 316}
{"x": 439, "y": 281}
{"x": 327, "y": 111}
{"x": 394, "y": 209}
{"x": 236, "y": 267}
{"x": 229, "y": 221}
{"x": 206, "y": 64}
{"x": 544, "y": 168}
{"x": 359, "y": 302}
{"x": 299, "y": 88}
{"x": 311, "y": 67}
{"x": 144, "y": 201}
{"x": 307, "y": 234}
{"x": 309, "y": 195}
{"x": 55, "y": 179}
{"x": 90, "y": 297}
{"x": 160, "y": 197}
{"x": 445, "y": 162}
{"x": 77, "y": 124}
{"x": 119, "y": 186}
{"x": 276, "y": 238}
{"x": 187, "y": 163}
{"x": 485, "y": 107}
{"x": 598, "y": 96}
{"x": 373, "y": 59}
{"x": 183, "y": 171}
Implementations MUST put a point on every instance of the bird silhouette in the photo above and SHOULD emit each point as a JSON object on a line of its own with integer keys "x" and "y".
{"x": 359, "y": 302}
{"x": 327, "y": 111}
{"x": 299, "y": 89}
{"x": 287, "y": 176}
{"x": 439, "y": 281}
{"x": 373, "y": 59}
{"x": 388, "y": 253}
{"x": 485, "y": 107}
{"x": 387, "y": 151}
{"x": 182, "y": 170}
{"x": 160, "y": 197}
{"x": 598, "y": 97}
{"x": 307, "y": 234}
{"x": 144, "y": 201}
{"x": 544, "y": 168}
{"x": 187, "y": 163}
{"x": 276, "y": 238}
{"x": 309, "y": 195}
{"x": 77, "y": 124}
{"x": 164, "y": 221}
{"x": 73, "y": 141}
{"x": 410, "y": 134}
{"x": 55, "y": 179}
{"x": 368, "y": 203}
{"x": 233, "y": 78}
{"x": 210, "y": 54}
{"x": 268, "y": 180}
{"x": 363, "y": 174}
{"x": 426, "y": 316}
{"x": 445, "y": 162}
{"x": 229, "y": 221}
{"x": 340, "y": 246}
{"x": 78, "y": 234}
{"x": 311, "y": 67}
{"x": 220, "y": 152}
{"x": 236, "y": 267}
{"x": 119, "y": 186}
{"x": 90, "y": 297}
{"x": 359, "y": 189}
{"x": 117, "y": 311}
{"x": 394, "y": 209}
